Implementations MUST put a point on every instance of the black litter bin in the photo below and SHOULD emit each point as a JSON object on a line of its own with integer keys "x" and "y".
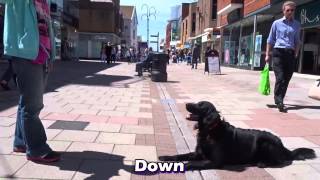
{"x": 159, "y": 67}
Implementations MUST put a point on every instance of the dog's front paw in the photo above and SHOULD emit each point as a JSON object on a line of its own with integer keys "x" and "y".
{"x": 166, "y": 158}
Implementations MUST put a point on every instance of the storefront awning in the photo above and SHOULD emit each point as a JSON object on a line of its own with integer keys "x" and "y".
{"x": 231, "y": 7}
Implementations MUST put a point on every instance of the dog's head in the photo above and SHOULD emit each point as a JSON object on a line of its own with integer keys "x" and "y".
{"x": 204, "y": 113}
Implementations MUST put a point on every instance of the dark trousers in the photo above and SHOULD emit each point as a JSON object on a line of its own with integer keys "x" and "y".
{"x": 109, "y": 58}
{"x": 30, "y": 133}
{"x": 283, "y": 67}
{"x": 194, "y": 63}
{"x": 8, "y": 74}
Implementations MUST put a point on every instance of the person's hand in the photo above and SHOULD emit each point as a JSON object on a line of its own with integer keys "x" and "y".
{"x": 267, "y": 59}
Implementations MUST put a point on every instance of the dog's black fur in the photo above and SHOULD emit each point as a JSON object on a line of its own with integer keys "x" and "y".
{"x": 220, "y": 144}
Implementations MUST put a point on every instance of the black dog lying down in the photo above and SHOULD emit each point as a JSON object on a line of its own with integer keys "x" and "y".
{"x": 220, "y": 144}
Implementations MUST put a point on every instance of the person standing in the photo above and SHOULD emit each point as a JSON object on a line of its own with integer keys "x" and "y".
{"x": 108, "y": 52}
{"x": 195, "y": 56}
{"x": 29, "y": 41}
{"x": 103, "y": 53}
{"x": 284, "y": 38}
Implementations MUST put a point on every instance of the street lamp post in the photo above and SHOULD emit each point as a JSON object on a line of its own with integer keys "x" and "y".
{"x": 151, "y": 11}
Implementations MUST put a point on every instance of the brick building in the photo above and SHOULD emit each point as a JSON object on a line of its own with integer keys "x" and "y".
{"x": 99, "y": 22}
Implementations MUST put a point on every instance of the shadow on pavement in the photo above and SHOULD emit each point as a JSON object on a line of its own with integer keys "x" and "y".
{"x": 294, "y": 107}
{"x": 298, "y": 107}
{"x": 68, "y": 73}
{"x": 93, "y": 165}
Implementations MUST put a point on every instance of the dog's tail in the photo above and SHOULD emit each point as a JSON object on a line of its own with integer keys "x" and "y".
{"x": 303, "y": 153}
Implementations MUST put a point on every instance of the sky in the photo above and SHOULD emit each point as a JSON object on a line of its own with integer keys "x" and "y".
{"x": 163, "y": 8}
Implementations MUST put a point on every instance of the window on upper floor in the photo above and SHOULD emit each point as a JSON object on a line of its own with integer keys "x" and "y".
{"x": 214, "y": 9}
{"x": 193, "y": 28}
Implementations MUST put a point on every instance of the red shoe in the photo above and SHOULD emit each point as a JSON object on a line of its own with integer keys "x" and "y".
{"x": 19, "y": 149}
{"x": 48, "y": 158}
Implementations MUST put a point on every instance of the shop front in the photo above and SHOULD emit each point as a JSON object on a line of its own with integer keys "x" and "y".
{"x": 309, "y": 17}
{"x": 244, "y": 42}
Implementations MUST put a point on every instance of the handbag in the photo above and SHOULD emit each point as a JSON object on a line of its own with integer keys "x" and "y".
{"x": 264, "y": 86}
{"x": 314, "y": 91}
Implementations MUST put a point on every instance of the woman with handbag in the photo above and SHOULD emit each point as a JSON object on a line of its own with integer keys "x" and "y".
{"x": 29, "y": 41}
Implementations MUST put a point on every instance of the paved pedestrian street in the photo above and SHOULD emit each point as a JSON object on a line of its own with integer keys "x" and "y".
{"x": 103, "y": 117}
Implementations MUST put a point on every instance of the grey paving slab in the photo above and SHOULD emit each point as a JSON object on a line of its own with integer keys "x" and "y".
{"x": 69, "y": 125}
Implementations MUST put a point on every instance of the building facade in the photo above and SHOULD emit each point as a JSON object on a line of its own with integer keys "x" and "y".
{"x": 129, "y": 37}
{"x": 168, "y": 35}
{"x": 99, "y": 22}
{"x": 69, "y": 30}
{"x": 206, "y": 32}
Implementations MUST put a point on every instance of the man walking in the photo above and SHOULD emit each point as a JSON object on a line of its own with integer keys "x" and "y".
{"x": 195, "y": 56}
{"x": 284, "y": 38}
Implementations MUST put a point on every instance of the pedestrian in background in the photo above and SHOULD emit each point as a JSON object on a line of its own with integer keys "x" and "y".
{"x": 103, "y": 53}
{"x": 109, "y": 52}
{"x": 29, "y": 41}
{"x": 195, "y": 56}
{"x": 284, "y": 38}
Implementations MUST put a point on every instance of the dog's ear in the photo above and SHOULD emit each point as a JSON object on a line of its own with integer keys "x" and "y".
{"x": 212, "y": 118}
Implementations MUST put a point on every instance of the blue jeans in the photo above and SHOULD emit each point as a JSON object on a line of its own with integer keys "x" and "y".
{"x": 30, "y": 133}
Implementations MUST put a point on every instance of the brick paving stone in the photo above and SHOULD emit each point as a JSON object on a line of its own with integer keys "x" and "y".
{"x": 297, "y": 172}
{"x": 123, "y": 120}
{"x": 79, "y": 136}
{"x": 62, "y": 116}
{"x": 6, "y": 145}
{"x": 7, "y": 121}
{"x": 116, "y": 138}
{"x": 84, "y": 150}
{"x": 104, "y": 107}
{"x": 78, "y": 106}
{"x": 135, "y": 129}
{"x": 85, "y": 111}
{"x": 64, "y": 169}
{"x": 140, "y": 114}
{"x": 145, "y": 122}
{"x": 10, "y": 164}
{"x": 297, "y": 142}
{"x": 112, "y": 113}
{"x": 60, "y": 146}
{"x": 250, "y": 173}
{"x": 8, "y": 112}
{"x": 93, "y": 118}
{"x": 140, "y": 139}
{"x": 97, "y": 169}
{"x": 132, "y": 152}
{"x": 52, "y": 133}
{"x": 313, "y": 139}
{"x": 103, "y": 127}
{"x": 7, "y": 131}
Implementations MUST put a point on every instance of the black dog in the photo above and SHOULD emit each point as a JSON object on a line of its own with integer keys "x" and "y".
{"x": 220, "y": 144}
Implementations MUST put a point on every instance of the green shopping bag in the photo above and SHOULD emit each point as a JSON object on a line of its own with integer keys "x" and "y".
{"x": 264, "y": 86}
